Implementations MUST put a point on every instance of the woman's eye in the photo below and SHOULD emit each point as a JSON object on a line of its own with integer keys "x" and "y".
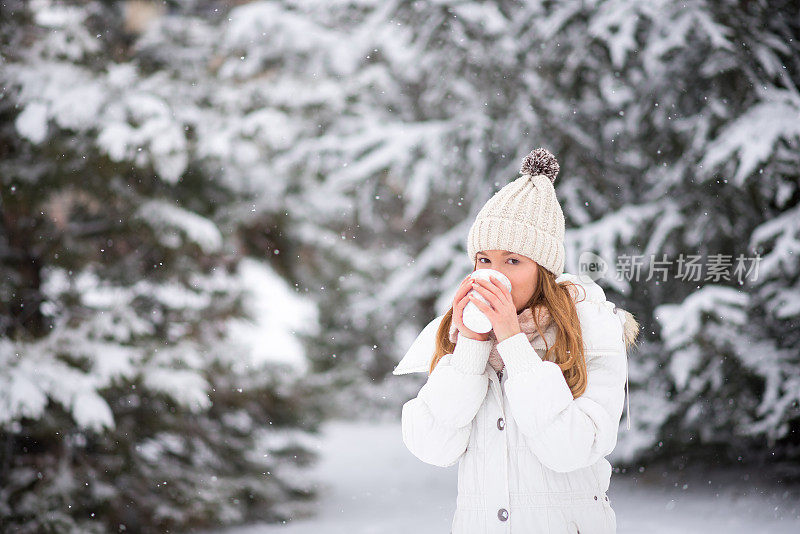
{"x": 480, "y": 260}
{"x": 515, "y": 260}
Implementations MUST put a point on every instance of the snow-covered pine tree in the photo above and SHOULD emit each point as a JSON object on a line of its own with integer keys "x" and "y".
{"x": 684, "y": 119}
{"x": 415, "y": 104}
{"x": 150, "y": 375}
{"x": 743, "y": 373}
{"x": 674, "y": 127}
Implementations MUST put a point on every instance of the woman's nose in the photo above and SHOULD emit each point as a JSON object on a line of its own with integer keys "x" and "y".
{"x": 496, "y": 269}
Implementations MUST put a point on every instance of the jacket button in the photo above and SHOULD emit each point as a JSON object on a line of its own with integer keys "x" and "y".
{"x": 501, "y": 423}
{"x": 595, "y": 497}
{"x": 502, "y": 514}
{"x": 606, "y": 498}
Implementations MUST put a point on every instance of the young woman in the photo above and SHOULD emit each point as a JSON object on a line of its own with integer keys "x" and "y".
{"x": 531, "y": 409}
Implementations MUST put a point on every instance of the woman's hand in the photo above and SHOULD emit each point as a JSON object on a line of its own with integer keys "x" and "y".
{"x": 459, "y": 302}
{"x": 501, "y": 311}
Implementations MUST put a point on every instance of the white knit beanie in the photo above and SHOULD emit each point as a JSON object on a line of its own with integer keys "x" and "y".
{"x": 524, "y": 216}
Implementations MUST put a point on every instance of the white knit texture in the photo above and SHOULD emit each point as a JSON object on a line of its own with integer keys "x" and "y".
{"x": 524, "y": 217}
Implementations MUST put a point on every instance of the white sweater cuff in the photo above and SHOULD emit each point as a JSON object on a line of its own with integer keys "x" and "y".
{"x": 471, "y": 355}
{"x": 518, "y": 354}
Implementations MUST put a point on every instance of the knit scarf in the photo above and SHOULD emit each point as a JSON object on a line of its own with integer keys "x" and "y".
{"x": 527, "y": 326}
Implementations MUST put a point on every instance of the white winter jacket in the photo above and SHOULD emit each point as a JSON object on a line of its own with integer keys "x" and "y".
{"x": 531, "y": 458}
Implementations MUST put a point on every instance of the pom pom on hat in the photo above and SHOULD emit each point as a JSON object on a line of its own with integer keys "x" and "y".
{"x": 540, "y": 161}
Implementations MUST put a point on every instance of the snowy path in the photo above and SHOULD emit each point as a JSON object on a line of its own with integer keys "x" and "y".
{"x": 374, "y": 485}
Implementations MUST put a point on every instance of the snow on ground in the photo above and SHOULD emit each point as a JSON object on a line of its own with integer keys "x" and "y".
{"x": 371, "y": 484}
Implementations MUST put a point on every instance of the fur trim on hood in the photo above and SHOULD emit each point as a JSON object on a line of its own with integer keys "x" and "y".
{"x": 632, "y": 328}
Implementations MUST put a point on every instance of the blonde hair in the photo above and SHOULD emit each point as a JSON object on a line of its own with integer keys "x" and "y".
{"x": 567, "y": 351}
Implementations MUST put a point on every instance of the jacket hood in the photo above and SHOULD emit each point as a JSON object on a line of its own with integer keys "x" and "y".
{"x": 419, "y": 355}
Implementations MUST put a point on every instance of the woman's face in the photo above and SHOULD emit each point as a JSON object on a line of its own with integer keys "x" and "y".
{"x": 521, "y": 270}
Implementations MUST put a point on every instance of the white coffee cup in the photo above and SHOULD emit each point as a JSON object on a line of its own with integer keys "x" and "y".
{"x": 473, "y": 317}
